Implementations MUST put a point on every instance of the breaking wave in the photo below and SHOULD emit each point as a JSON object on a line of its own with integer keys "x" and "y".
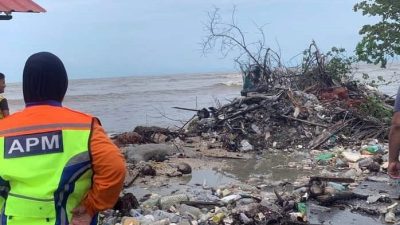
{"x": 229, "y": 84}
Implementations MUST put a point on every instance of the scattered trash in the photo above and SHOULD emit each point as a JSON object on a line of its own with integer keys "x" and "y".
{"x": 327, "y": 123}
{"x": 324, "y": 157}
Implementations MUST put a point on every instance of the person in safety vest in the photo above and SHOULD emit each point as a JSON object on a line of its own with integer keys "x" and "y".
{"x": 57, "y": 165}
{"x": 4, "y": 111}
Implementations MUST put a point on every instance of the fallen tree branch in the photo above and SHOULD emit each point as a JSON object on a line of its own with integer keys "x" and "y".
{"x": 239, "y": 113}
{"x": 305, "y": 121}
{"x": 326, "y": 134}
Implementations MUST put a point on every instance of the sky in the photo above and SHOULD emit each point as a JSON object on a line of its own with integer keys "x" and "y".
{"x": 104, "y": 38}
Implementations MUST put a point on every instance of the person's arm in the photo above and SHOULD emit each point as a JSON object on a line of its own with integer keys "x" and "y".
{"x": 4, "y": 107}
{"x": 394, "y": 141}
{"x": 394, "y": 146}
{"x": 109, "y": 170}
{"x": 394, "y": 138}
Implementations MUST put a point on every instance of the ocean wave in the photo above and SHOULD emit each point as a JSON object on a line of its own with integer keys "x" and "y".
{"x": 232, "y": 83}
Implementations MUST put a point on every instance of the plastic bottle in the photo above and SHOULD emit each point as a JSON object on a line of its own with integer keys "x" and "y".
{"x": 167, "y": 201}
{"x": 372, "y": 149}
{"x": 217, "y": 218}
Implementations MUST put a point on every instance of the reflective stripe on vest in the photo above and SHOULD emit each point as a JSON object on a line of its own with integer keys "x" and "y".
{"x": 36, "y": 195}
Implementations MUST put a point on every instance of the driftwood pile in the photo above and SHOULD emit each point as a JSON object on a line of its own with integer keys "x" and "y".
{"x": 284, "y": 118}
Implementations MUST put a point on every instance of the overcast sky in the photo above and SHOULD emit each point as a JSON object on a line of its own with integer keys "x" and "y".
{"x": 104, "y": 38}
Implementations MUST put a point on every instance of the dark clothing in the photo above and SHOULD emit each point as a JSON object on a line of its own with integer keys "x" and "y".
{"x": 44, "y": 78}
{"x": 4, "y": 104}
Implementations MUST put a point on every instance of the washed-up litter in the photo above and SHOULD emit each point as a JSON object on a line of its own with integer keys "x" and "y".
{"x": 340, "y": 127}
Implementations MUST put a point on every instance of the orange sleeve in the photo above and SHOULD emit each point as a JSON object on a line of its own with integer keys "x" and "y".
{"x": 108, "y": 172}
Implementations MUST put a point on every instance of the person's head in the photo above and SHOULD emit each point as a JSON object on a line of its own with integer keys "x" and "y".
{"x": 2, "y": 83}
{"x": 44, "y": 78}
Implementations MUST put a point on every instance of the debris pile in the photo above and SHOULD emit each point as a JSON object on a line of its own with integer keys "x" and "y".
{"x": 350, "y": 179}
{"x": 285, "y": 118}
{"x": 339, "y": 125}
{"x": 231, "y": 204}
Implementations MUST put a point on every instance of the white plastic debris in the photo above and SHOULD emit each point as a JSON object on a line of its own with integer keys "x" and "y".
{"x": 246, "y": 146}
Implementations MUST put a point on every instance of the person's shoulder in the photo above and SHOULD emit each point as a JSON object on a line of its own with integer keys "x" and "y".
{"x": 77, "y": 112}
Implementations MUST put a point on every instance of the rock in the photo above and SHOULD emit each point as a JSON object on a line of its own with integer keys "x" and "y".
{"x": 378, "y": 179}
{"x": 184, "y": 168}
{"x": 130, "y": 177}
{"x": 147, "y": 170}
{"x": 327, "y": 173}
{"x": 146, "y": 152}
{"x": 185, "y": 222}
{"x": 365, "y": 162}
{"x": 352, "y": 173}
{"x": 127, "y": 202}
{"x": 340, "y": 163}
{"x": 174, "y": 174}
{"x": 245, "y": 201}
{"x": 127, "y": 138}
{"x": 374, "y": 167}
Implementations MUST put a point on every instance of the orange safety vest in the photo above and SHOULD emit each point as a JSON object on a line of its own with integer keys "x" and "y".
{"x": 45, "y": 164}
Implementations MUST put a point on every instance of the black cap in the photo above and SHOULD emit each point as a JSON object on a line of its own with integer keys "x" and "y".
{"x": 44, "y": 78}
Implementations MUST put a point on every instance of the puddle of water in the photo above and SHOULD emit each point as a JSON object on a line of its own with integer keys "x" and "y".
{"x": 207, "y": 177}
{"x": 336, "y": 216}
{"x": 273, "y": 166}
{"x": 211, "y": 178}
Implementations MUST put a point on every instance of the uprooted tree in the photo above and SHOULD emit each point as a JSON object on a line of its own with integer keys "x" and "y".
{"x": 316, "y": 104}
{"x": 230, "y": 38}
{"x": 333, "y": 68}
{"x": 305, "y": 105}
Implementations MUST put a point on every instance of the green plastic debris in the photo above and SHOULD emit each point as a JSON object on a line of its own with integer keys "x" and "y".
{"x": 372, "y": 149}
{"x": 337, "y": 186}
{"x": 301, "y": 208}
{"x": 325, "y": 156}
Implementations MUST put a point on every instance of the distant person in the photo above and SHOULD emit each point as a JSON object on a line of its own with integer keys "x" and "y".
{"x": 4, "y": 111}
{"x": 58, "y": 166}
{"x": 394, "y": 141}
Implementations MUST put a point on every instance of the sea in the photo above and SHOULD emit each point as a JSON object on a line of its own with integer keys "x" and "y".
{"x": 122, "y": 103}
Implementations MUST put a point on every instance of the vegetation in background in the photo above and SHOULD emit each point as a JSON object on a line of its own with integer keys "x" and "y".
{"x": 380, "y": 41}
